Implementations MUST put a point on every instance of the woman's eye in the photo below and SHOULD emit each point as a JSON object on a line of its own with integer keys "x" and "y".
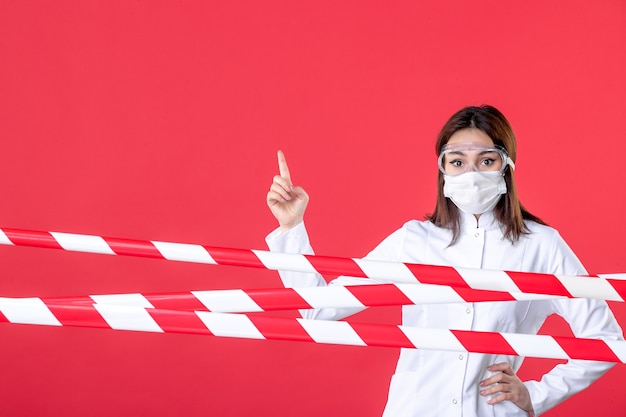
{"x": 488, "y": 161}
{"x": 456, "y": 163}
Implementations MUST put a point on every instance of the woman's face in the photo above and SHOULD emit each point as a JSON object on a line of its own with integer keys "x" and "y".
{"x": 470, "y": 149}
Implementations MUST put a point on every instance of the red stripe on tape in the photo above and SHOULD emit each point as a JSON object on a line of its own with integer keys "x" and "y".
{"x": 234, "y": 257}
{"x": 278, "y": 328}
{"x": 285, "y": 298}
{"x": 69, "y": 301}
{"x": 178, "y": 321}
{"x": 529, "y": 282}
{"x": 80, "y": 312}
{"x": 379, "y": 295}
{"x": 335, "y": 266}
{"x": 586, "y": 349}
{"x": 32, "y": 238}
{"x": 181, "y": 302}
{"x": 436, "y": 274}
{"x": 473, "y": 296}
{"x": 130, "y": 247}
{"x": 619, "y": 285}
{"x": 484, "y": 342}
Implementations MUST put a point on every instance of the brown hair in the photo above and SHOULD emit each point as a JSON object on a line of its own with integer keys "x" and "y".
{"x": 509, "y": 211}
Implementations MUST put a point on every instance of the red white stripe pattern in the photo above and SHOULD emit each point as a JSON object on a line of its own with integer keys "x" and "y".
{"x": 273, "y": 299}
{"x": 612, "y": 289}
{"x": 140, "y": 318}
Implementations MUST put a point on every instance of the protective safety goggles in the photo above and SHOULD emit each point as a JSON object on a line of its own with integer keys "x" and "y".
{"x": 457, "y": 159}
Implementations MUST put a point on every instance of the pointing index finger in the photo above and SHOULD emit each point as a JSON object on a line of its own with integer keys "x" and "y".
{"x": 283, "y": 169}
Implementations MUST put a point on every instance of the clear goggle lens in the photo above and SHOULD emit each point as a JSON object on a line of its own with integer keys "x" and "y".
{"x": 460, "y": 158}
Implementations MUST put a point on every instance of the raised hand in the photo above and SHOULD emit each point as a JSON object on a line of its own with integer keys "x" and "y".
{"x": 286, "y": 201}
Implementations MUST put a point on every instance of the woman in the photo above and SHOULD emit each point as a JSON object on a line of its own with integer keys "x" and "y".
{"x": 478, "y": 222}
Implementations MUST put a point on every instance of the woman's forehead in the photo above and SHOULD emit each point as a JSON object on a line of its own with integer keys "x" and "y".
{"x": 470, "y": 136}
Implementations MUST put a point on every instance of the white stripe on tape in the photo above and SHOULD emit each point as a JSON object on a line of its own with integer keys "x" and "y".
{"x": 82, "y": 243}
{"x": 618, "y": 347}
{"x": 441, "y": 339}
{"x": 4, "y": 239}
{"x": 613, "y": 276}
{"x": 131, "y": 300}
{"x": 522, "y": 296}
{"x": 538, "y": 346}
{"x": 593, "y": 288}
{"x": 128, "y": 318}
{"x": 229, "y": 325}
{"x": 484, "y": 278}
{"x": 429, "y": 294}
{"x": 386, "y": 271}
{"x": 27, "y": 311}
{"x": 227, "y": 301}
{"x": 331, "y": 296}
{"x": 336, "y": 332}
{"x": 184, "y": 252}
{"x": 286, "y": 261}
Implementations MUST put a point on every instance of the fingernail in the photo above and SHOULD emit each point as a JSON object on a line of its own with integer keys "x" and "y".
{"x": 482, "y": 393}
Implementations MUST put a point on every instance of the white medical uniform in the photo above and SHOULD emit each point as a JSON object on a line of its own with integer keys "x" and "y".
{"x": 437, "y": 383}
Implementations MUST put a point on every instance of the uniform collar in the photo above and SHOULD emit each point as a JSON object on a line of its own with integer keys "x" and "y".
{"x": 486, "y": 221}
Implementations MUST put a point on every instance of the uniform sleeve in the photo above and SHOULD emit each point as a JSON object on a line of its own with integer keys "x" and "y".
{"x": 296, "y": 240}
{"x": 588, "y": 318}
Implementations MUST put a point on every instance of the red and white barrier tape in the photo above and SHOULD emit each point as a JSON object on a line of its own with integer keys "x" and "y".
{"x": 33, "y": 311}
{"x": 275, "y": 299}
{"x": 465, "y": 278}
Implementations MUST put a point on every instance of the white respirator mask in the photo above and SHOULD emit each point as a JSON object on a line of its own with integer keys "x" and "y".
{"x": 474, "y": 192}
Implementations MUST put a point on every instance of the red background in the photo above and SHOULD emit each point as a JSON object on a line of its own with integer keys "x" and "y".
{"x": 160, "y": 120}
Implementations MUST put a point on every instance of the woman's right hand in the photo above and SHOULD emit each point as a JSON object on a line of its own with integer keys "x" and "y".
{"x": 286, "y": 201}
